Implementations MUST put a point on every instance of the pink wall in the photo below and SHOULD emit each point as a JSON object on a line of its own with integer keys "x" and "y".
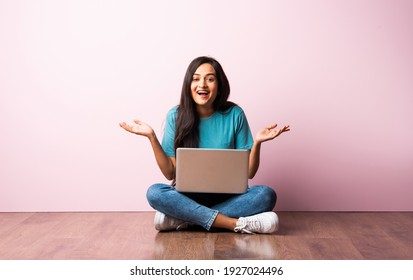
{"x": 339, "y": 72}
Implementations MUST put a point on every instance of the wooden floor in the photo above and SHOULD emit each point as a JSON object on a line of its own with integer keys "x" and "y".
{"x": 131, "y": 236}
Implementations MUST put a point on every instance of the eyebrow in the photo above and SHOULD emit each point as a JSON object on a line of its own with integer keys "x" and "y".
{"x": 195, "y": 74}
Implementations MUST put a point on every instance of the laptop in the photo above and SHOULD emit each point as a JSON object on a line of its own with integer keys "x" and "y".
{"x": 212, "y": 170}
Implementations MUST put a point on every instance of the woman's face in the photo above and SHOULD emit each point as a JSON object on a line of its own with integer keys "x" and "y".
{"x": 204, "y": 86}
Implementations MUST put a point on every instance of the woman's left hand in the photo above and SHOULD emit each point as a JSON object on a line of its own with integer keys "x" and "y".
{"x": 270, "y": 132}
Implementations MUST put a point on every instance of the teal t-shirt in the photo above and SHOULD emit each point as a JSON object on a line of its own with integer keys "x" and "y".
{"x": 222, "y": 130}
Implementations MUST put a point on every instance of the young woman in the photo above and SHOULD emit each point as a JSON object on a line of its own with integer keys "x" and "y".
{"x": 206, "y": 119}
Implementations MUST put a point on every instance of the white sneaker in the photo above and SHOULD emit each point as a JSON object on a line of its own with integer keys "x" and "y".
{"x": 266, "y": 222}
{"x": 164, "y": 223}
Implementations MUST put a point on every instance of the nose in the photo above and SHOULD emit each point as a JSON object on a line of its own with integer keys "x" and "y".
{"x": 202, "y": 83}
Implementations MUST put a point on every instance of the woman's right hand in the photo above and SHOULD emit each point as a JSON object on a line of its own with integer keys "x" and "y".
{"x": 166, "y": 164}
{"x": 139, "y": 128}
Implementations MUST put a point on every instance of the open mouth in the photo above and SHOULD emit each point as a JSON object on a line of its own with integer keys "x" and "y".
{"x": 203, "y": 93}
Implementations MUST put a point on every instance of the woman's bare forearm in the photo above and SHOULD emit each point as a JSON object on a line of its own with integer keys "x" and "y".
{"x": 166, "y": 164}
{"x": 254, "y": 162}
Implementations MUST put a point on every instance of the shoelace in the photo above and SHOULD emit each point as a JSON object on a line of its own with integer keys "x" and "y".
{"x": 247, "y": 226}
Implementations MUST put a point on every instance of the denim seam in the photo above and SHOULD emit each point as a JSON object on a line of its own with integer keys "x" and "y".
{"x": 212, "y": 219}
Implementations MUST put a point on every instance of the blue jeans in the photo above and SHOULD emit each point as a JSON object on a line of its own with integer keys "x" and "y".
{"x": 202, "y": 208}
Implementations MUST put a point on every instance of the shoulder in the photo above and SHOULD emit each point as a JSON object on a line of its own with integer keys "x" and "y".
{"x": 172, "y": 113}
{"x": 235, "y": 111}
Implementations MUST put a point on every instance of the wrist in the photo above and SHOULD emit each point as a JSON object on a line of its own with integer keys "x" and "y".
{"x": 152, "y": 137}
{"x": 257, "y": 142}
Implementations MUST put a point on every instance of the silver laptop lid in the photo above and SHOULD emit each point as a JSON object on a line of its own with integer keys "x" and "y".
{"x": 212, "y": 170}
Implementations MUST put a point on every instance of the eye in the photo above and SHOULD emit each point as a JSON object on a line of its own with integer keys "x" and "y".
{"x": 195, "y": 79}
{"x": 211, "y": 80}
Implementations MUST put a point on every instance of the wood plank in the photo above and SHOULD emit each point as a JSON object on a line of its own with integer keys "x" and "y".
{"x": 367, "y": 231}
{"x": 131, "y": 235}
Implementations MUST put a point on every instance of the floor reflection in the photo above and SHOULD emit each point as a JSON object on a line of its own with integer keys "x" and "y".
{"x": 198, "y": 245}
{"x": 246, "y": 246}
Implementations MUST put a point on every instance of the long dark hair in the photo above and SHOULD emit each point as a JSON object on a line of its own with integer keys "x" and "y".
{"x": 187, "y": 121}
